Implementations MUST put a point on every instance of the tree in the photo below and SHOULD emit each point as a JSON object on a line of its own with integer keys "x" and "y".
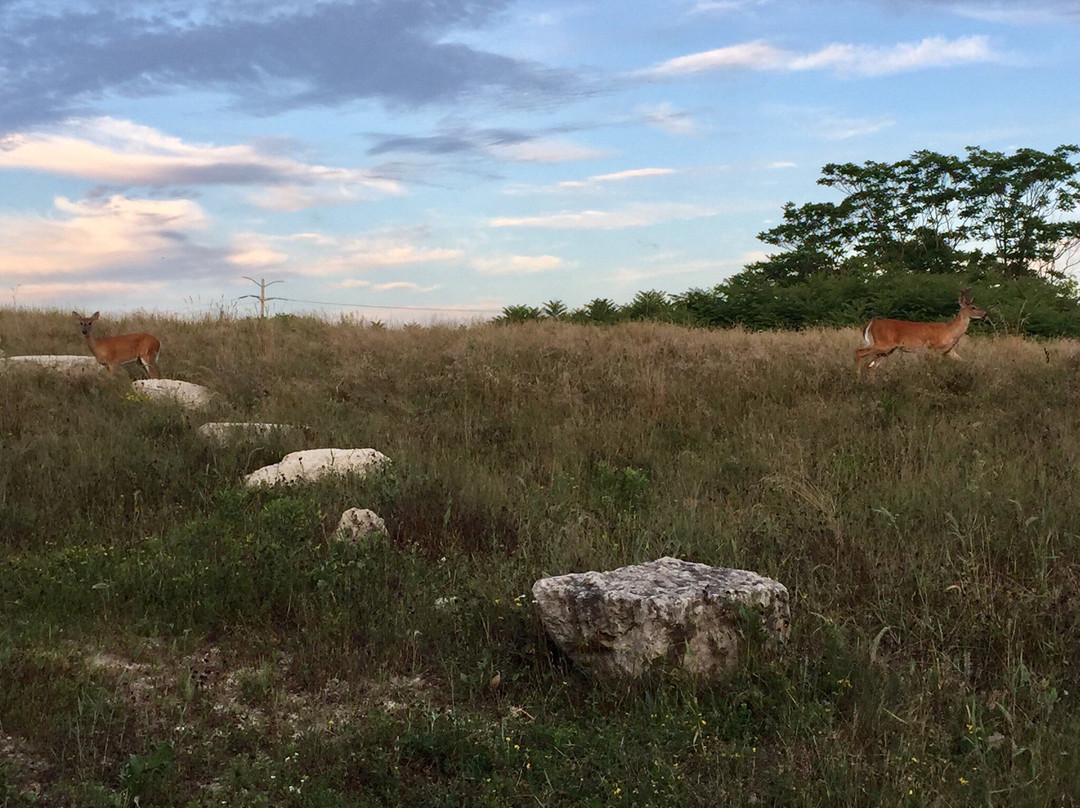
{"x": 936, "y": 213}
{"x": 555, "y": 310}
{"x": 650, "y": 305}
{"x": 1016, "y": 202}
{"x": 598, "y": 310}
{"x": 518, "y": 314}
{"x": 817, "y": 238}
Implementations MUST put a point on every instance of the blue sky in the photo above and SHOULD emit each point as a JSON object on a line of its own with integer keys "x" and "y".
{"x": 451, "y": 157}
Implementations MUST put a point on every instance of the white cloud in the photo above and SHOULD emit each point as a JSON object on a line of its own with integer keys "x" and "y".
{"x": 51, "y": 292}
{"x": 668, "y": 119}
{"x": 861, "y": 60}
{"x": 408, "y": 286}
{"x": 376, "y": 252}
{"x": 124, "y": 153}
{"x": 546, "y": 151}
{"x": 249, "y": 250}
{"x": 754, "y": 55}
{"x": 1017, "y": 13}
{"x": 832, "y": 127}
{"x": 619, "y": 176}
{"x": 632, "y": 216}
{"x": 516, "y": 264}
{"x": 118, "y": 231}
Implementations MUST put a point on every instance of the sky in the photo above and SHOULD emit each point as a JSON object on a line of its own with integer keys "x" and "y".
{"x": 437, "y": 160}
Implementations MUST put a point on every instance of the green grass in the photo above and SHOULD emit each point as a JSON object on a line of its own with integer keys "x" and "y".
{"x": 168, "y": 638}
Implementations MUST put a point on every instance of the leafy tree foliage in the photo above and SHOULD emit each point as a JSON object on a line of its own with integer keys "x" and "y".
{"x": 935, "y": 213}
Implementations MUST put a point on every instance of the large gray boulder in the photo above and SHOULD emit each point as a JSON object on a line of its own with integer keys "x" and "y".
{"x": 314, "y": 464}
{"x": 669, "y": 611}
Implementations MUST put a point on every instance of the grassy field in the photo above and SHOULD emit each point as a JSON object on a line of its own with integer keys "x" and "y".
{"x": 170, "y": 639}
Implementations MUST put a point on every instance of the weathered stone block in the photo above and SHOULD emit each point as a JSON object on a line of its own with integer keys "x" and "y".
{"x": 621, "y": 623}
{"x": 314, "y": 464}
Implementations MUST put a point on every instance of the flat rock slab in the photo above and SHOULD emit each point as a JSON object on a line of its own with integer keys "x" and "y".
{"x": 235, "y": 431}
{"x": 314, "y": 464}
{"x": 73, "y": 365}
{"x": 187, "y": 395}
{"x": 669, "y": 611}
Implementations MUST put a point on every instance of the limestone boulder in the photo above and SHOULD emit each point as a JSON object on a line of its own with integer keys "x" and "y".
{"x": 188, "y": 395}
{"x": 68, "y": 365}
{"x": 239, "y": 431}
{"x": 666, "y": 612}
{"x": 358, "y": 523}
{"x": 314, "y": 464}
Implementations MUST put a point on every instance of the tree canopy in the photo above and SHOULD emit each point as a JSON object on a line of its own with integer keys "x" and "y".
{"x": 931, "y": 212}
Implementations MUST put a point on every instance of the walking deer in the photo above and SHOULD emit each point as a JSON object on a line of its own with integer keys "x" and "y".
{"x": 118, "y": 350}
{"x": 882, "y": 337}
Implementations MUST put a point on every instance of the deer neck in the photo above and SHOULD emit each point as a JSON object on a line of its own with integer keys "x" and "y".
{"x": 92, "y": 343}
{"x": 958, "y": 325}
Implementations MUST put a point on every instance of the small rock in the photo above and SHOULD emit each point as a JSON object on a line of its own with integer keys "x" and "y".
{"x": 356, "y": 523}
{"x": 314, "y": 464}
{"x": 620, "y": 623}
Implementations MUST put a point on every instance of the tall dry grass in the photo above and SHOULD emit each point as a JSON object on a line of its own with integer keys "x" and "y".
{"x": 925, "y": 520}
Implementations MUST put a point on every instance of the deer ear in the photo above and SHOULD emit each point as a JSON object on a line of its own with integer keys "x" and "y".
{"x": 96, "y": 314}
{"x": 76, "y": 315}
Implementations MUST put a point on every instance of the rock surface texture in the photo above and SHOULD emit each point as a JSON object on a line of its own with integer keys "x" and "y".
{"x": 669, "y": 611}
{"x": 314, "y": 464}
{"x": 73, "y": 365}
{"x": 356, "y": 523}
{"x": 187, "y": 395}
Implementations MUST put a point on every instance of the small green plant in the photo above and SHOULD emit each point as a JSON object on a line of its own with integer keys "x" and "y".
{"x": 145, "y": 778}
{"x": 619, "y": 489}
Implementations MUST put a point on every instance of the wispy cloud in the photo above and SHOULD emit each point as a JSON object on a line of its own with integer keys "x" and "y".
{"x": 380, "y": 251}
{"x": 506, "y": 145}
{"x": 830, "y": 127}
{"x": 1009, "y": 12}
{"x": 407, "y": 286}
{"x": 126, "y": 154}
{"x": 863, "y": 60}
{"x": 632, "y": 216}
{"x": 618, "y": 176}
{"x": 516, "y": 264}
{"x": 38, "y": 293}
{"x": 668, "y": 119}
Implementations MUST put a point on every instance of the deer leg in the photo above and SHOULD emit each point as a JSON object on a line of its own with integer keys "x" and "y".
{"x": 860, "y": 358}
{"x": 878, "y": 356}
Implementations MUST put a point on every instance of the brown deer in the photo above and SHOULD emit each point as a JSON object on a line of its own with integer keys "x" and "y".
{"x": 118, "y": 350}
{"x": 882, "y": 337}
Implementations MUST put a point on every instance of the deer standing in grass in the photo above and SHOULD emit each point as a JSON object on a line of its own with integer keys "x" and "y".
{"x": 882, "y": 337}
{"x": 118, "y": 350}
